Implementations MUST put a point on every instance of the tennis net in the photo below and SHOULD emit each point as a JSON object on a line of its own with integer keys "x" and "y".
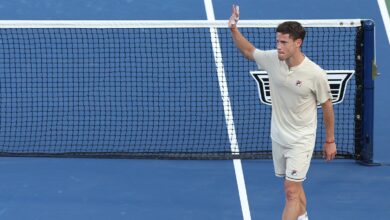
{"x": 159, "y": 89}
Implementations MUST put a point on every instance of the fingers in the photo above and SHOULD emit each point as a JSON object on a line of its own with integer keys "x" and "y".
{"x": 329, "y": 151}
{"x": 234, "y": 17}
{"x": 236, "y": 11}
{"x": 330, "y": 157}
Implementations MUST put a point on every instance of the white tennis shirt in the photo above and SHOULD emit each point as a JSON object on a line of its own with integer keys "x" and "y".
{"x": 295, "y": 93}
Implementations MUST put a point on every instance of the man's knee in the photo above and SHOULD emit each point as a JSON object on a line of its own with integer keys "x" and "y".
{"x": 292, "y": 190}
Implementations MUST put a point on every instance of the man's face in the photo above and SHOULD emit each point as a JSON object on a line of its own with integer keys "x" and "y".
{"x": 286, "y": 46}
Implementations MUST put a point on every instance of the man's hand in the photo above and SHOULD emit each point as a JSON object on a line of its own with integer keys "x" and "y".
{"x": 329, "y": 150}
{"x": 235, "y": 17}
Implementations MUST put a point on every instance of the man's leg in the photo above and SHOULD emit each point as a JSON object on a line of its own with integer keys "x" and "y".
{"x": 297, "y": 165}
{"x": 303, "y": 201}
{"x": 295, "y": 200}
{"x": 302, "y": 197}
{"x": 292, "y": 163}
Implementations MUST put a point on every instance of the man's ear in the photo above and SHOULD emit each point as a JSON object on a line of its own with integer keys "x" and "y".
{"x": 298, "y": 42}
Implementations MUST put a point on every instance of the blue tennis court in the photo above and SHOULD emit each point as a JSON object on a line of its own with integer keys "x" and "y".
{"x": 101, "y": 188}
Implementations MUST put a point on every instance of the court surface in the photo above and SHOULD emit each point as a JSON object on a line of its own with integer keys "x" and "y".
{"x": 66, "y": 188}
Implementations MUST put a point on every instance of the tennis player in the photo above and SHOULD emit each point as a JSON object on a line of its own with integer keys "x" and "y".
{"x": 297, "y": 86}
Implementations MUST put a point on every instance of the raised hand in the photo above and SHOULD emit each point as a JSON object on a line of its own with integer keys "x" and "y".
{"x": 234, "y": 17}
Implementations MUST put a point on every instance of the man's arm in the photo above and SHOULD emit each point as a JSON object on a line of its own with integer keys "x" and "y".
{"x": 330, "y": 145}
{"x": 245, "y": 47}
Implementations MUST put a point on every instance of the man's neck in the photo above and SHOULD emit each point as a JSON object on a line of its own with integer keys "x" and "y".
{"x": 295, "y": 60}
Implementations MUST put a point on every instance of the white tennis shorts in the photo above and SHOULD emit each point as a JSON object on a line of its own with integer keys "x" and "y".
{"x": 293, "y": 161}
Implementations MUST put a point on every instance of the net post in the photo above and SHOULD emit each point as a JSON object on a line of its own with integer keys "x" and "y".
{"x": 368, "y": 56}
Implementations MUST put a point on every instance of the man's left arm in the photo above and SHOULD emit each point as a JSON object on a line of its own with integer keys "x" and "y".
{"x": 329, "y": 145}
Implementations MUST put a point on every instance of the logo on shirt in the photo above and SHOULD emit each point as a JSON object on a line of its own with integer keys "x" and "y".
{"x": 338, "y": 81}
{"x": 298, "y": 83}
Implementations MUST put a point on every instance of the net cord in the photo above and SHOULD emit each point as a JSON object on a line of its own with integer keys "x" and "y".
{"x": 169, "y": 23}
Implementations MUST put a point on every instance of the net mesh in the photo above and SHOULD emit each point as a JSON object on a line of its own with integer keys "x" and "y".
{"x": 149, "y": 92}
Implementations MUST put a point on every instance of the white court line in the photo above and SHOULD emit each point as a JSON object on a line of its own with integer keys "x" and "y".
{"x": 385, "y": 17}
{"x": 228, "y": 111}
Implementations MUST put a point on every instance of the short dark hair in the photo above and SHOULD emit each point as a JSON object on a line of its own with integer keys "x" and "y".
{"x": 293, "y": 28}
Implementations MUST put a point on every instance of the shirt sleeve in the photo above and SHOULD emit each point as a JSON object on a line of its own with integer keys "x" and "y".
{"x": 322, "y": 88}
{"x": 264, "y": 58}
